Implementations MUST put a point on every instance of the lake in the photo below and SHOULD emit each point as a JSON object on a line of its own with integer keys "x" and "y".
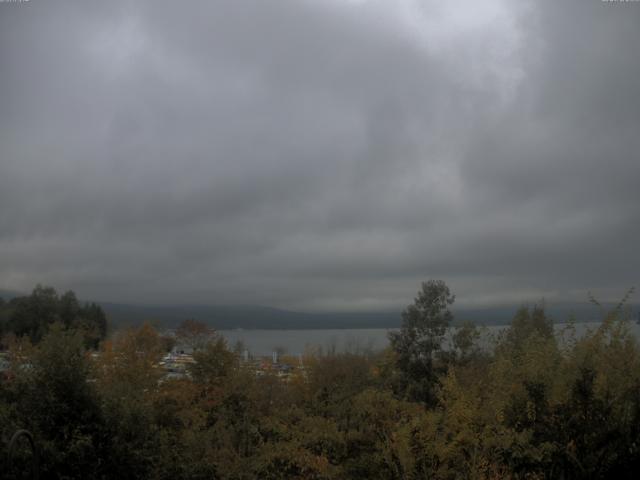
{"x": 295, "y": 342}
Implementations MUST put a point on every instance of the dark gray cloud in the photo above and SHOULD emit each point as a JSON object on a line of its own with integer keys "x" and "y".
{"x": 319, "y": 155}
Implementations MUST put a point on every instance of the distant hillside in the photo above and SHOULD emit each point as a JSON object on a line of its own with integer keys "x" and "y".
{"x": 9, "y": 294}
{"x": 257, "y": 317}
{"x": 559, "y": 312}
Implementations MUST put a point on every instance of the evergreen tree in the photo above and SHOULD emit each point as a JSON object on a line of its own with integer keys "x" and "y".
{"x": 417, "y": 344}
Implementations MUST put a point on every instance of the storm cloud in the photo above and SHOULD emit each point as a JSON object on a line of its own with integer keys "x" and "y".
{"x": 320, "y": 155}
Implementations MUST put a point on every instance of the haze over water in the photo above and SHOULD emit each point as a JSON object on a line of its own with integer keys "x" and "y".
{"x": 296, "y": 342}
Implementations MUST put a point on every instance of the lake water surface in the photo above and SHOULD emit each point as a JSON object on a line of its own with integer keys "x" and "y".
{"x": 295, "y": 342}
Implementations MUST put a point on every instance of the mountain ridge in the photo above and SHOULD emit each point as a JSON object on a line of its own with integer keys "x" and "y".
{"x": 224, "y": 317}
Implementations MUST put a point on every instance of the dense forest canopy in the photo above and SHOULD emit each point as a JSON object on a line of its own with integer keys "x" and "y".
{"x": 532, "y": 406}
{"x": 33, "y": 315}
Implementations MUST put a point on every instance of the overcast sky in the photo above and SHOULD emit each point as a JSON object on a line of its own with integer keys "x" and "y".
{"x": 320, "y": 154}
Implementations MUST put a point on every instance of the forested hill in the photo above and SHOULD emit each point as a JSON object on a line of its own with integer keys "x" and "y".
{"x": 9, "y": 294}
{"x": 257, "y": 317}
{"x": 250, "y": 317}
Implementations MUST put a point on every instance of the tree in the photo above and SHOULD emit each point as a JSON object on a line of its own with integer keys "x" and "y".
{"x": 69, "y": 309}
{"x": 56, "y": 401}
{"x": 93, "y": 323}
{"x": 416, "y": 345}
{"x": 214, "y": 362}
{"x": 127, "y": 380}
{"x": 4, "y": 315}
{"x": 527, "y": 322}
{"x": 33, "y": 315}
{"x": 194, "y": 335}
{"x": 465, "y": 342}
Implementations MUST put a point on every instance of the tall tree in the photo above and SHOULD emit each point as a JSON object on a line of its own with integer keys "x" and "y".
{"x": 417, "y": 344}
{"x": 57, "y": 402}
{"x": 33, "y": 315}
{"x": 194, "y": 335}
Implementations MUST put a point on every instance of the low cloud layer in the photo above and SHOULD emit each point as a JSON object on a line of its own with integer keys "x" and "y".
{"x": 320, "y": 155}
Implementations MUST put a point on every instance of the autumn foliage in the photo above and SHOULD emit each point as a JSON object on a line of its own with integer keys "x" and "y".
{"x": 529, "y": 403}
